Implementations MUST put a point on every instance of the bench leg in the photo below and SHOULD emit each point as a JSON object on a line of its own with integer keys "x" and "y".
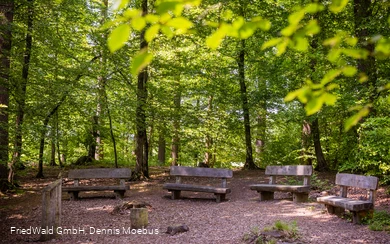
{"x": 74, "y": 195}
{"x": 266, "y": 195}
{"x": 220, "y": 197}
{"x": 300, "y": 197}
{"x": 175, "y": 195}
{"x": 119, "y": 194}
{"x": 335, "y": 210}
{"x": 357, "y": 216}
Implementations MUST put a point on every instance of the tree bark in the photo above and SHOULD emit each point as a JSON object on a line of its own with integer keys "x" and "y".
{"x": 306, "y": 136}
{"x": 21, "y": 92}
{"x": 208, "y": 156}
{"x": 6, "y": 10}
{"x": 141, "y": 151}
{"x": 322, "y": 165}
{"x": 249, "y": 164}
{"x": 161, "y": 146}
{"x": 363, "y": 13}
{"x": 176, "y": 126}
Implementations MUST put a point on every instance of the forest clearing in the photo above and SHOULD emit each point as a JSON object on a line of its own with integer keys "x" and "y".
{"x": 241, "y": 85}
{"x": 208, "y": 221}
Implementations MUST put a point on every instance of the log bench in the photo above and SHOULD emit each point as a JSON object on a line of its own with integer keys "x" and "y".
{"x": 359, "y": 208}
{"x": 300, "y": 192}
{"x": 180, "y": 171}
{"x": 87, "y": 174}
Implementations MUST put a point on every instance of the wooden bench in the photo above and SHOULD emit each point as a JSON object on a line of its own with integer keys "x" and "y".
{"x": 86, "y": 174}
{"x": 300, "y": 192}
{"x": 178, "y": 186}
{"x": 358, "y": 208}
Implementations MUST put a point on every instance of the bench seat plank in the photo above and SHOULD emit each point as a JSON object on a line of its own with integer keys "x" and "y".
{"x": 94, "y": 188}
{"x": 346, "y": 203}
{"x": 196, "y": 188}
{"x": 289, "y": 188}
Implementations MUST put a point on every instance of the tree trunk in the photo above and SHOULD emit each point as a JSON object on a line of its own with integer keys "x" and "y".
{"x": 161, "y": 146}
{"x": 176, "y": 126}
{"x": 21, "y": 88}
{"x": 111, "y": 132}
{"x": 249, "y": 164}
{"x": 43, "y": 133}
{"x": 141, "y": 152}
{"x": 208, "y": 156}
{"x": 53, "y": 152}
{"x": 306, "y": 136}
{"x": 6, "y": 10}
{"x": 321, "y": 162}
{"x": 363, "y": 11}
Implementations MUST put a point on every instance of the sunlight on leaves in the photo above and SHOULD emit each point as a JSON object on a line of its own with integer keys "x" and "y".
{"x": 338, "y": 5}
{"x": 140, "y": 61}
{"x": 354, "y": 119}
{"x": 118, "y": 37}
{"x": 216, "y": 38}
{"x": 119, "y": 4}
{"x": 270, "y": 43}
{"x": 152, "y": 32}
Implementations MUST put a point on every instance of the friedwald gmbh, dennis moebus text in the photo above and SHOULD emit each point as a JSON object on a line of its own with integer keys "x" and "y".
{"x": 83, "y": 231}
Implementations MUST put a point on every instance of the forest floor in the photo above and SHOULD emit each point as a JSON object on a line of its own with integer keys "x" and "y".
{"x": 232, "y": 221}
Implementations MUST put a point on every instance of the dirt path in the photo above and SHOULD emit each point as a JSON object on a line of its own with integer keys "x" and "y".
{"x": 90, "y": 220}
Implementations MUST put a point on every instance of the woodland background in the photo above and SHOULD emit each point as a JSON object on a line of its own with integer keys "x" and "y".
{"x": 215, "y": 91}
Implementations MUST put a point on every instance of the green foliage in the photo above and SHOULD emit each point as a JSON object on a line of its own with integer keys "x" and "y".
{"x": 380, "y": 221}
{"x": 288, "y": 232}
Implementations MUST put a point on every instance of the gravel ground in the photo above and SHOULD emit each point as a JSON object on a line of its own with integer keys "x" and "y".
{"x": 91, "y": 220}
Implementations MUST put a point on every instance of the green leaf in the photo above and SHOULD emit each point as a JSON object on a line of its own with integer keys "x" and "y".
{"x": 138, "y": 23}
{"x": 151, "y": 18}
{"x": 289, "y": 30}
{"x": 312, "y": 28}
{"x": 131, "y": 13}
{"x": 354, "y": 119}
{"x": 301, "y": 44}
{"x": 313, "y": 106}
{"x": 334, "y": 41}
{"x": 329, "y": 99}
{"x": 165, "y": 6}
{"x": 338, "y": 5}
{"x": 349, "y": 71}
{"x": 140, "y": 61}
{"x": 214, "y": 40}
{"x": 362, "y": 77}
{"x": 334, "y": 55}
{"x": 179, "y": 23}
{"x": 292, "y": 95}
{"x": 296, "y": 17}
{"x": 119, "y": 4}
{"x": 261, "y": 23}
{"x": 281, "y": 47}
{"x": 356, "y": 53}
{"x": 313, "y": 8}
{"x": 352, "y": 41}
{"x": 270, "y": 43}
{"x": 152, "y": 32}
{"x": 118, "y": 37}
{"x": 167, "y": 31}
{"x": 227, "y": 15}
{"x": 247, "y": 30}
{"x": 330, "y": 76}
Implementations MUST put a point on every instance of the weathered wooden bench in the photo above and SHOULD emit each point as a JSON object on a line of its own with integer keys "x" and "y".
{"x": 87, "y": 174}
{"x": 358, "y": 208}
{"x": 180, "y": 171}
{"x": 300, "y": 192}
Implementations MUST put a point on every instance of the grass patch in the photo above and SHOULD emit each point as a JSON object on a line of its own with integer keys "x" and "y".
{"x": 280, "y": 231}
{"x": 380, "y": 221}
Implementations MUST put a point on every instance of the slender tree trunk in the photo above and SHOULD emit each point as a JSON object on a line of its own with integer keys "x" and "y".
{"x": 21, "y": 92}
{"x": 176, "y": 126}
{"x": 208, "y": 156}
{"x": 363, "y": 12}
{"x": 6, "y": 10}
{"x": 306, "y": 136}
{"x": 249, "y": 164}
{"x": 111, "y": 131}
{"x": 322, "y": 165}
{"x": 53, "y": 152}
{"x": 43, "y": 133}
{"x": 162, "y": 143}
{"x": 142, "y": 168}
